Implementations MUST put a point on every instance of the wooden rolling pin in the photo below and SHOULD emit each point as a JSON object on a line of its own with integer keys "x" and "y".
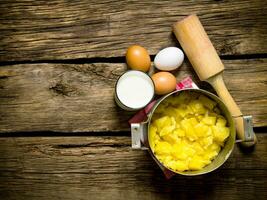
{"x": 208, "y": 65}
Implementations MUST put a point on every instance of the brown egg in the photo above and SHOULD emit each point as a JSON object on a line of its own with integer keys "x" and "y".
{"x": 165, "y": 82}
{"x": 138, "y": 58}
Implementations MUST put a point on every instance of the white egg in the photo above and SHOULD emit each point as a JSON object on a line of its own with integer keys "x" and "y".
{"x": 169, "y": 59}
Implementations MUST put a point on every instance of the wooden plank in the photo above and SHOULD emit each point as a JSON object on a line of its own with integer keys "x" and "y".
{"x": 79, "y": 97}
{"x": 226, "y": 184}
{"x": 46, "y": 30}
{"x": 98, "y": 167}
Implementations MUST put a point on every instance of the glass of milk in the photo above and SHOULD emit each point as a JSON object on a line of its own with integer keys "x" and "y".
{"x": 134, "y": 90}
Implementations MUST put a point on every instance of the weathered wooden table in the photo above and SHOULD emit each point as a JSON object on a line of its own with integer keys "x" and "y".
{"x": 62, "y": 136}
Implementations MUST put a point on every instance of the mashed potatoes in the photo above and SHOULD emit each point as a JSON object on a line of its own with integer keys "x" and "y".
{"x": 187, "y": 132}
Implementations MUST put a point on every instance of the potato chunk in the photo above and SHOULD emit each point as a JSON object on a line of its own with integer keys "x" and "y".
{"x": 220, "y": 133}
{"x": 196, "y": 163}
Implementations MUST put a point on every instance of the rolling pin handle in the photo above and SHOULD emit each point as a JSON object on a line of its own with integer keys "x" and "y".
{"x": 209, "y": 67}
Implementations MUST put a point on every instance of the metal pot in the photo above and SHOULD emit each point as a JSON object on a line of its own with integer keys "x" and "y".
{"x": 140, "y": 133}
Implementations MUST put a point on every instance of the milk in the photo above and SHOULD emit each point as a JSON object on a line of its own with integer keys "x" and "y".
{"x": 134, "y": 90}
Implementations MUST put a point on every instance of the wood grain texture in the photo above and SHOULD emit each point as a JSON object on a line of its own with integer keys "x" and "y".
{"x": 59, "y": 29}
{"x": 80, "y": 97}
{"x": 101, "y": 167}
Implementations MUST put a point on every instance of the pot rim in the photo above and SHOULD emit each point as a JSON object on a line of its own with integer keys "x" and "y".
{"x": 225, "y": 111}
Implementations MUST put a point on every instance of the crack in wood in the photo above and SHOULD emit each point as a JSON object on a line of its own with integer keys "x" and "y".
{"x": 95, "y": 144}
{"x": 119, "y": 59}
{"x": 3, "y": 77}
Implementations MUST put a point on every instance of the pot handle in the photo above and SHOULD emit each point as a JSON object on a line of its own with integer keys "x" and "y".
{"x": 139, "y": 135}
{"x": 249, "y": 135}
